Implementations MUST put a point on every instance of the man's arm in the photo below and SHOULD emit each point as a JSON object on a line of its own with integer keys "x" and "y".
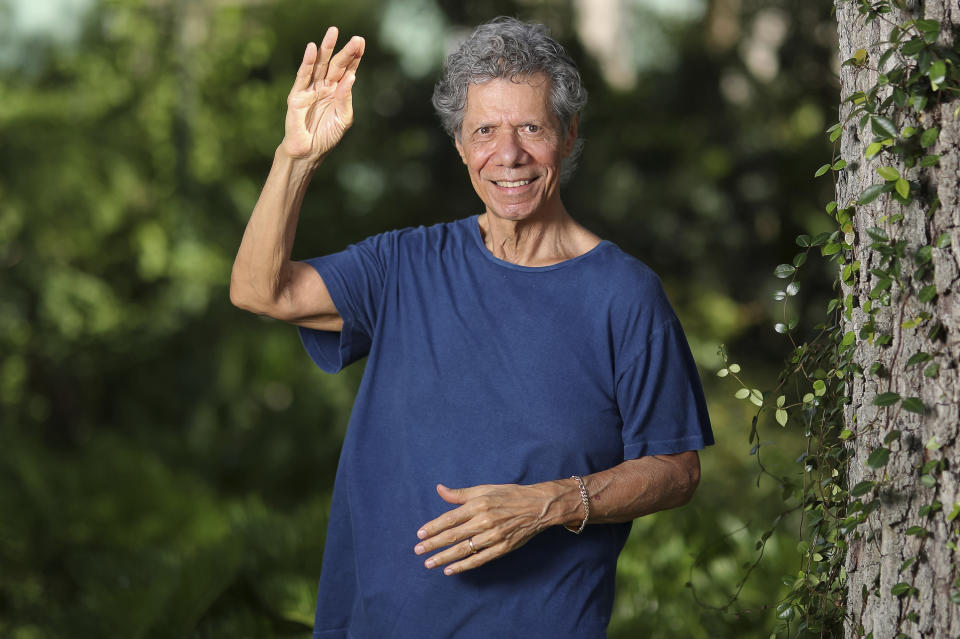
{"x": 499, "y": 518}
{"x": 264, "y": 280}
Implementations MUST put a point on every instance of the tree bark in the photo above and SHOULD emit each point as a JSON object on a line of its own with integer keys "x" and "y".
{"x": 880, "y": 550}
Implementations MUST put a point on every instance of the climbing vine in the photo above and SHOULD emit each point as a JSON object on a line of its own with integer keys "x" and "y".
{"x": 915, "y": 75}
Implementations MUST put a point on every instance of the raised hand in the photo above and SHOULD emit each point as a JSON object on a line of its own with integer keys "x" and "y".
{"x": 320, "y": 104}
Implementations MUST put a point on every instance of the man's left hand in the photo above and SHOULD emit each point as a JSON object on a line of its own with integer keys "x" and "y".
{"x": 496, "y": 518}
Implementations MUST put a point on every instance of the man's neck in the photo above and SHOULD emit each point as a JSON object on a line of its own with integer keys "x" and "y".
{"x": 540, "y": 240}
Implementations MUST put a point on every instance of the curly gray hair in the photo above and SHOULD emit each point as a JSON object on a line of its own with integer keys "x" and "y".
{"x": 506, "y": 48}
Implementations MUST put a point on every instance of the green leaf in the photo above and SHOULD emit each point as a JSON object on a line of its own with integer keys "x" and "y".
{"x": 927, "y": 26}
{"x": 846, "y": 434}
{"x": 927, "y": 293}
{"x": 929, "y": 137}
{"x": 882, "y": 284}
{"x": 883, "y": 127}
{"x": 871, "y": 193}
{"x": 742, "y": 393}
{"x": 803, "y": 241}
{"x": 839, "y": 165}
{"x": 862, "y": 489}
{"x": 930, "y": 160}
{"x": 831, "y": 249}
{"x": 937, "y": 73}
{"x": 943, "y": 240}
{"x": 784, "y": 271}
{"x": 878, "y": 458}
{"x": 722, "y": 372}
{"x": 888, "y": 173}
{"x": 872, "y": 149}
{"x": 924, "y": 255}
{"x": 781, "y": 416}
{"x": 930, "y": 466}
{"x": 928, "y": 480}
{"x": 903, "y": 188}
{"x": 900, "y": 589}
{"x": 912, "y": 47}
{"x": 913, "y": 404}
{"x": 819, "y": 388}
{"x": 918, "y": 358}
{"x": 932, "y": 370}
{"x": 886, "y": 399}
{"x": 899, "y": 96}
{"x": 916, "y": 530}
{"x": 823, "y": 169}
{"x": 954, "y": 513}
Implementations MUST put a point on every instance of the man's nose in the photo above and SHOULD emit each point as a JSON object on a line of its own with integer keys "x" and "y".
{"x": 509, "y": 149}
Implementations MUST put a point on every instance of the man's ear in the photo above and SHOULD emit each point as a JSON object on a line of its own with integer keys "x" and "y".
{"x": 571, "y": 138}
{"x": 456, "y": 143}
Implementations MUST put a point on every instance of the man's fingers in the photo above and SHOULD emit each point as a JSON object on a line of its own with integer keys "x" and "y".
{"x": 305, "y": 72}
{"x": 344, "y": 97}
{"x": 444, "y": 522}
{"x": 475, "y": 560}
{"x": 327, "y": 45}
{"x": 358, "y": 54}
{"x": 446, "y": 537}
{"x": 462, "y": 550}
{"x": 348, "y": 57}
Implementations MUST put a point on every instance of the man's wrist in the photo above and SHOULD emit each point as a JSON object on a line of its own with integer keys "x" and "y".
{"x": 304, "y": 166}
{"x": 566, "y": 504}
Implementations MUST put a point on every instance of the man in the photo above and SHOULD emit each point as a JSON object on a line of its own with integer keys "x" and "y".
{"x": 524, "y": 376}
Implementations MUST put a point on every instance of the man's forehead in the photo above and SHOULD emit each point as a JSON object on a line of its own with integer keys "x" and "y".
{"x": 529, "y": 92}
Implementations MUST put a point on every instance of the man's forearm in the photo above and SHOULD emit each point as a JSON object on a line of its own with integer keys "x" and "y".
{"x": 629, "y": 490}
{"x": 259, "y": 270}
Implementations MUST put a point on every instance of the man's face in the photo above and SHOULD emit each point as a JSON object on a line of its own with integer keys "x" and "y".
{"x": 512, "y": 145}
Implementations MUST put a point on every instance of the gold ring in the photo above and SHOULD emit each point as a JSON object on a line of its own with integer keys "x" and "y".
{"x": 473, "y": 550}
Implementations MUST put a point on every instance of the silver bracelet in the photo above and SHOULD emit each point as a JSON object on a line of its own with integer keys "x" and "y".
{"x": 585, "y": 497}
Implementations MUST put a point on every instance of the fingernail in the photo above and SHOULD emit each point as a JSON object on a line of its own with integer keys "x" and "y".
{"x": 449, "y": 570}
{"x": 430, "y": 563}
{"x": 421, "y": 533}
{"x": 418, "y": 549}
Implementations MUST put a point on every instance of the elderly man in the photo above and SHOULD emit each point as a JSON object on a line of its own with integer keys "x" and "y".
{"x": 525, "y": 379}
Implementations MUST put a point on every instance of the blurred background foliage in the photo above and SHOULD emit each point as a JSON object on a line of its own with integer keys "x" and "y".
{"x": 166, "y": 460}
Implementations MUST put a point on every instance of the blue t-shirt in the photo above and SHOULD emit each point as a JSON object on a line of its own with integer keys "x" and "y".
{"x": 481, "y": 371}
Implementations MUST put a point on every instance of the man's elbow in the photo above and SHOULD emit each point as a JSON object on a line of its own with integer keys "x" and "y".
{"x": 688, "y": 477}
{"x": 691, "y": 483}
{"x": 244, "y": 298}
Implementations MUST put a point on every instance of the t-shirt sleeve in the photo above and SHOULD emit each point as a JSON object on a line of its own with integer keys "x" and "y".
{"x": 661, "y": 399}
{"x": 355, "y": 278}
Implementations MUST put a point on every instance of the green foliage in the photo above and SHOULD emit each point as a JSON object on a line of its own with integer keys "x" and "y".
{"x": 915, "y": 73}
{"x": 167, "y": 460}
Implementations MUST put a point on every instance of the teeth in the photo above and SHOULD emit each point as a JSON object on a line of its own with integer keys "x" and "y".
{"x": 513, "y": 184}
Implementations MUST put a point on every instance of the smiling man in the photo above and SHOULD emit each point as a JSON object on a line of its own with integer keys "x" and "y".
{"x": 525, "y": 379}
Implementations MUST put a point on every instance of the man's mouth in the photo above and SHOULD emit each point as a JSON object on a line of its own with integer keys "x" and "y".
{"x": 512, "y": 184}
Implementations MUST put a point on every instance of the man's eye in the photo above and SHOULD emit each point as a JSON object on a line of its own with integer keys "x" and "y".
{"x": 484, "y": 130}
{"x": 533, "y": 128}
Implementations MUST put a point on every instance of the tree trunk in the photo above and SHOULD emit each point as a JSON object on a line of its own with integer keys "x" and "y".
{"x": 881, "y": 553}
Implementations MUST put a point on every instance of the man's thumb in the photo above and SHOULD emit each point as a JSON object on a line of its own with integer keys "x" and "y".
{"x": 451, "y": 495}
